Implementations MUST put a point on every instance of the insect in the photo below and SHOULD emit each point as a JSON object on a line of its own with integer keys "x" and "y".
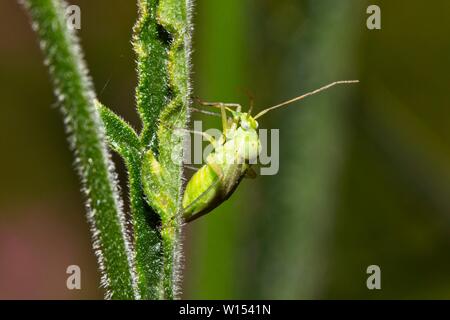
{"x": 232, "y": 157}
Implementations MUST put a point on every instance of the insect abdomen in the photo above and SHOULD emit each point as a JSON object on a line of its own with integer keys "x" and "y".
{"x": 201, "y": 192}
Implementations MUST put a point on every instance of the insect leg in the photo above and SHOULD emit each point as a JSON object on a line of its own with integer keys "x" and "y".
{"x": 206, "y": 112}
{"x": 224, "y": 119}
{"x": 191, "y": 168}
{"x": 219, "y": 104}
{"x": 204, "y": 134}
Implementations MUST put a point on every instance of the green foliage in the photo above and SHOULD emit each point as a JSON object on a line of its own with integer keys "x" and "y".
{"x": 161, "y": 42}
{"x": 74, "y": 92}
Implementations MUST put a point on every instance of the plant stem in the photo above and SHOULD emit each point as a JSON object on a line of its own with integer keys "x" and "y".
{"x": 162, "y": 45}
{"x": 74, "y": 92}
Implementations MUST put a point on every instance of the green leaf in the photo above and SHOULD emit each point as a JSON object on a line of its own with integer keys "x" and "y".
{"x": 124, "y": 140}
{"x": 121, "y": 137}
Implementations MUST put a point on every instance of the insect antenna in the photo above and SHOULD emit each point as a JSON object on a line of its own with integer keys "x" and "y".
{"x": 250, "y": 96}
{"x": 252, "y": 102}
{"x": 251, "y": 99}
{"x": 263, "y": 112}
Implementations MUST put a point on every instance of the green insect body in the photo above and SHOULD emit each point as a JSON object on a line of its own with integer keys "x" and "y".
{"x": 226, "y": 166}
{"x": 214, "y": 182}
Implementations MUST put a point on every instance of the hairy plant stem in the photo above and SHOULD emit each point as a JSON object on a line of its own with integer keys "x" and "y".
{"x": 75, "y": 94}
{"x": 162, "y": 45}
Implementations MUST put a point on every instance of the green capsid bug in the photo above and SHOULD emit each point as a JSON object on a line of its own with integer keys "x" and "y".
{"x": 225, "y": 167}
{"x": 231, "y": 159}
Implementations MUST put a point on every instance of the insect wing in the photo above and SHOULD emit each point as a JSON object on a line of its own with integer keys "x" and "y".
{"x": 202, "y": 195}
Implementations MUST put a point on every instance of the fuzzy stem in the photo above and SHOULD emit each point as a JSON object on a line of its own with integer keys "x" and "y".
{"x": 74, "y": 91}
{"x": 162, "y": 45}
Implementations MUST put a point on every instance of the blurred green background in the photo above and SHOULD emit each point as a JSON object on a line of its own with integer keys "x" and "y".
{"x": 364, "y": 169}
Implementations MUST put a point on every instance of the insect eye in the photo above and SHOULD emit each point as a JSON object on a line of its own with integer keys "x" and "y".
{"x": 245, "y": 125}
